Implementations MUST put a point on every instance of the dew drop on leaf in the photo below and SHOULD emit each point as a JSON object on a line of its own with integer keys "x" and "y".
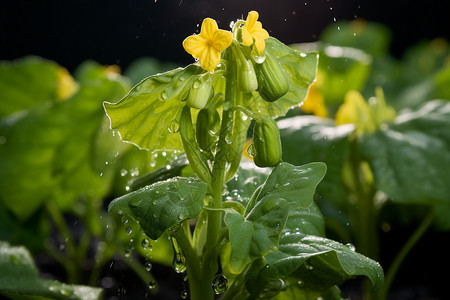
{"x": 124, "y": 220}
{"x": 128, "y": 230}
{"x": 174, "y": 126}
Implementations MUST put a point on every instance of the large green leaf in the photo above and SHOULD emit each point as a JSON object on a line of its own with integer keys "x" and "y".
{"x": 300, "y": 69}
{"x": 19, "y": 279}
{"x": 27, "y": 82}
{"x": 411, "y": 158}
{"x": 257, "y": 233}
{"x": 309, "y": 262}
{"x": 144, "y": 116}
{"x": 163, "y": 204}
{"x": 50, "y": 151}
{"x": 310, "y": 138}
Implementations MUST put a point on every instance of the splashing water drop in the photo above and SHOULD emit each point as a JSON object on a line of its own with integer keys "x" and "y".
{"x": 219, "y": 284}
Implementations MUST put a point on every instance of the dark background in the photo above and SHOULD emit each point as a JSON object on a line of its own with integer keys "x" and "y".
{"x": 117, "y": 32}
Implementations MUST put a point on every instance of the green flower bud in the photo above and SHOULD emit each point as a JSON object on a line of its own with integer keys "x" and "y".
{"x": 207, "y": 127}
{"x": 200, "y": 92}
{"x": 246, "y": 76}
{"x": 266, "y": 143}
{"x": 272, "y": 80}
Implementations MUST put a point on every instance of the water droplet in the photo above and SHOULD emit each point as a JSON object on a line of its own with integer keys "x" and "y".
{"x": 128, "y": 230}
{"x": 308, "y": 266}
{"x": 174, "y": 126}
{"x": 350, "y": 246}
{"x": 219, "y": 284}
{"x": 145, "y": 243}
{"x": 164, "y": 95}
{"x": 179, "y": 261}
{"x": 197, "y": 84}
{"x": 135, "y": 202}
{"x": 123, "y": 172}
{"x": 148, "y": 265}
{"x": 208, "y": 200}
{"x": 152, "y": 284}
{"x": 128, "y": 252}
{"x": 124, "y": 220}
{"x": 184, "y": 294}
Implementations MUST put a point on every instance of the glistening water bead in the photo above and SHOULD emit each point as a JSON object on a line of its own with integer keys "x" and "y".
{"x": 219, "y": 284}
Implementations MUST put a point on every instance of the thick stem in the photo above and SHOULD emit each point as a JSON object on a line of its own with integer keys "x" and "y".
{"x": 401, "y": 255}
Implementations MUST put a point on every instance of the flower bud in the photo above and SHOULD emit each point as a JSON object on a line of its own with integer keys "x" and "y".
{"x": 246, "y": 76}
{"x": 272, "y": 81}
{"x": 266, "y": 143}
{"x": 208, "y": 124}
{"x": 200, "y": 92}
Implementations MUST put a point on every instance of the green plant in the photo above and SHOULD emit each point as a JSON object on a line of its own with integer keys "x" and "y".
{"x": 266, "y": 239}
{"x": 387, "y": 156}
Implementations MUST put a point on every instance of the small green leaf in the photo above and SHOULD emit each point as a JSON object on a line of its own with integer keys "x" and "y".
{"x": 19, "y": 279}
{"x": 163, "y": 204}
{"x": 144, "y": 116}
{"x": 300, "y": 78}
{"x": 257, "y": 233}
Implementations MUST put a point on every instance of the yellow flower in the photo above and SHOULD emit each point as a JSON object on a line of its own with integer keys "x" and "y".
{"x": 207, "y": 46}
{"x": 252, "y": 31}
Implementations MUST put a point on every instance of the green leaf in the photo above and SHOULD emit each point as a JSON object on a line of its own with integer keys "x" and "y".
{"x": 50, "y": 151}
{"x": 342, "y": 69}
{"x": 27, "y": 82}
{"x": 411, "y": 159}
{"x": 300, "y": 69}
{"x": 163, "y": 204}
{"x": 309, "y": 138}
{"x": 19, "y": 279}
{"x": 257, "y": 233}
{"x": 144, "y": 116}
{"x": 304, "y": 260}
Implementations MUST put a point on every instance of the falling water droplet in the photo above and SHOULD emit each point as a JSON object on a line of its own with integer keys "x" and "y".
{"x": 219, "y": 284}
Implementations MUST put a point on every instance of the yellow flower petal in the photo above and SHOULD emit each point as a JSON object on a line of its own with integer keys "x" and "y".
{"x": 209, "y": 27}
{"x": 247, "y": 38}
{"x": 252, "y": 31}
{"x": 251, "y": 20}
{"x": 209, "y": 59}
{"x": 222, "y": 40}
{"x": 194, "y": 45}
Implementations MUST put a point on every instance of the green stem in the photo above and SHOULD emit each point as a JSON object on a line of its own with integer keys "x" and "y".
{"x": 401, "y": 255}
{"x": 71, "y": 250}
